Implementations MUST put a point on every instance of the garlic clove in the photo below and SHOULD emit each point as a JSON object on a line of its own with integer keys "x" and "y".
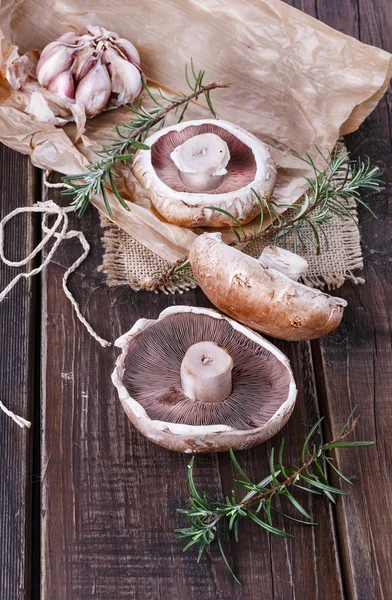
{"x": 83, "y": 63}
{"x": 129, "y": 50}
{"x": 126, "y": 78}
{"x": 93, "y": 91}
{"x": 63, "y": 85}
{"x": 55, "y": 59}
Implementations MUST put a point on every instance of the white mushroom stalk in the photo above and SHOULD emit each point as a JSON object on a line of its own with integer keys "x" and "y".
{"x": 196, "y": 172}
{"x": 201, "y": 162}
{"x": 206, "y": 373}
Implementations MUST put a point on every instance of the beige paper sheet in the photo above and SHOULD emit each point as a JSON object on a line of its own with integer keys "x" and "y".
{"x": 295, "y": 83}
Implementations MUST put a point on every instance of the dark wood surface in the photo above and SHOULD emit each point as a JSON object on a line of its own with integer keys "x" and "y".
{"x": 109, "y": 497}
{"x": 17, "y": 323}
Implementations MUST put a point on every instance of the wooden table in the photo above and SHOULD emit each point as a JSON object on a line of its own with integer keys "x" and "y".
{"x": 88, "y": 501}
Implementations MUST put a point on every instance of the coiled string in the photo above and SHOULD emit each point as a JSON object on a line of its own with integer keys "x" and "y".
{"x": 47, "y": 209}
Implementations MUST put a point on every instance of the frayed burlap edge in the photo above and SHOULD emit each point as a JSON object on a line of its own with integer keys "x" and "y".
{"x": 127, "y": 262}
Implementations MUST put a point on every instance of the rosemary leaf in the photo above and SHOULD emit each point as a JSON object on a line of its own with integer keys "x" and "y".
{"x": 346, "y": 445}
{"x": 130, "y": 134}
{"x": 207, "y": 517}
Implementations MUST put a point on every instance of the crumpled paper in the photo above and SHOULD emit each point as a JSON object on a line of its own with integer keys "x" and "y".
{"x": 296, "y": 83}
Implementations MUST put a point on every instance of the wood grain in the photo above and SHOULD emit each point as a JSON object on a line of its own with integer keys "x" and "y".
{"x": 307, "y": 566}
{"x": 356, "y": 361}
{"x": 16, "y": 384}
{"x": 109, "y": 496}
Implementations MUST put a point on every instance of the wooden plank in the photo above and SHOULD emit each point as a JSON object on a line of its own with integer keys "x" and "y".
{"x": 306, "y": 567}
{"x": 16, "y": 384}
{"x": 109, "y": 496}
{"x": 355, "y": 363}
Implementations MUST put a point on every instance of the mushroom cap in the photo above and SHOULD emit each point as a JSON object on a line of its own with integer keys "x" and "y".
{"x": 260, "y": 296}
{"x": 250, "y": 166}
{"x": 148, "y": 390}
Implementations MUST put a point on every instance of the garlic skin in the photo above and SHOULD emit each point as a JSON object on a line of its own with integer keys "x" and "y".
{"x": 95, "y": 68}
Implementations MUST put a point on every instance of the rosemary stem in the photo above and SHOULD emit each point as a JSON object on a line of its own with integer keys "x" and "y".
{"x": 312, "y": 458}
{"x": 284, "y": 225}
{"x": 194, "y": 96}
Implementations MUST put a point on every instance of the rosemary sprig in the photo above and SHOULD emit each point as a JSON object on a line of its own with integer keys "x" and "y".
{"x": 129, "y": 137}
{"x": 210, "y": 519}
{"x": 328, "y": 196}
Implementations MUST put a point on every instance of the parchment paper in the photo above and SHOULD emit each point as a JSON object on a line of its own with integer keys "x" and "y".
{"x": 295, "y": 83}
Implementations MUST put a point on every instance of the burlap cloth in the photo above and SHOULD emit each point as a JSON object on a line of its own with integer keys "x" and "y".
{"x": 127, "y": 262}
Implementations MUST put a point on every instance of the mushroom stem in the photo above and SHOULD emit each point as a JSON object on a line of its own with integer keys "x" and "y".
{"x": 284, "y": 261}
{"x": 206, "y": 373}
{"x": 201, "y": 161}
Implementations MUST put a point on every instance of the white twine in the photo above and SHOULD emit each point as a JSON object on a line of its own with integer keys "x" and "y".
{"x": 48, "y": 184}
{"x": 47, "y": 208}
{"x": 19, "y": 420}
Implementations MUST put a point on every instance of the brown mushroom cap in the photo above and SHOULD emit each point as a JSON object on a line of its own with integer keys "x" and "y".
{"x": 250, "y": 167}
{"x": 148, "y": 380}
{"x": 260, "y": 296}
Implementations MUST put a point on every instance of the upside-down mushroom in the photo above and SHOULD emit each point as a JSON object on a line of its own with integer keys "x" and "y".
{"x": 196, "y": 381}
{"x": 198, "y": 164}
{"x": 263, "y": 294}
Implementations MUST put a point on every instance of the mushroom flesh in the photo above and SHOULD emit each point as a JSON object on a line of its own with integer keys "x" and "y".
{"x": 196, "y": 381}
{"x": 207, "y": 163}
{"x": 263, "y": 294}
{"x": 290, "y": 264}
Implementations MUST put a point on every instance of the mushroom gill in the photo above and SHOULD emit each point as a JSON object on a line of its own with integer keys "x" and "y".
{"x": 241, "y": 168}
{"x": 152, "y": 374}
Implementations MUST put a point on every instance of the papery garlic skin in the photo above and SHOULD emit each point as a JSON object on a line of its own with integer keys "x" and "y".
{"x": 95, "y": 67}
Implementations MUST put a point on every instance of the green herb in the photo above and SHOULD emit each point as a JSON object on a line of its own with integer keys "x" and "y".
{"x": 328, "y": 196}
{"x": 209, "y": 520}
{"x": 129, "y": 137}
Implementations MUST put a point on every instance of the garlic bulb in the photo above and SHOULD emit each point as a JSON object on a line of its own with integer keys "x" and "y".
{"x": 95, "y": 67}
